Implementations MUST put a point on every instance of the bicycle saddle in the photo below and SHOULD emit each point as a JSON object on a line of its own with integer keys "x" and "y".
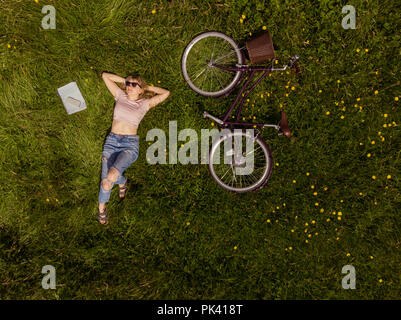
{"x": 284, "y": 125}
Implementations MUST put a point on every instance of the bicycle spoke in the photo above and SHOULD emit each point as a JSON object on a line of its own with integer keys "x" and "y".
{"x": 217, "y": 77}
{"x": 199, "y": 74}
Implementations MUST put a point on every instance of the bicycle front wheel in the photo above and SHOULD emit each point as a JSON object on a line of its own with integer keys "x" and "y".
{"x": 237, "y": 170}
{"x": 203, "y": 50}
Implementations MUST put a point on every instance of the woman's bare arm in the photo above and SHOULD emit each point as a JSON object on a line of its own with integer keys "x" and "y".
{"x": 161, "y": 95}
{"x": 110, "y": 79}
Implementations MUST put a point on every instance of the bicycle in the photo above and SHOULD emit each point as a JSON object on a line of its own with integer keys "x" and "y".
{"x": 213, "y": 65}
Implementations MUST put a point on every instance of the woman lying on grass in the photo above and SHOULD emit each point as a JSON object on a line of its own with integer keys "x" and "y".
{"x": 121, "y": 147}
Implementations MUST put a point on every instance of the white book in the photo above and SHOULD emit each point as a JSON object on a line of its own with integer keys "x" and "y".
{"x": 72, "y": 98}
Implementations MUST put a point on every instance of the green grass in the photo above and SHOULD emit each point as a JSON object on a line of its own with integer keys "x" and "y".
{"x": 148, "y": 251}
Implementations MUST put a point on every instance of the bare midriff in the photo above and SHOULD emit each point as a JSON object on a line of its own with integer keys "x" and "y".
{"x": 123, "y": 128}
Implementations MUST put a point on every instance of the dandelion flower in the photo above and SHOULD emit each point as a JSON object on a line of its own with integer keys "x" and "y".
{"x": 371, "y": 257}
{"x": 264, "y": 27}
{"x": 396, "y": 98}
{"x": 373, "y": 141}
{"x": 373, "y": 177}
{"x": 380, "y": 280}
{"x": 307, "y": 173}
{"x": 316, "y": 204}
{"x": 243, "y": 16}
{"x": 268, "y": 220}
{"x": 235, "y": 247}
{"x": 357, "y": 50}
{"x": 328, "y": 112}
{"x": 153, "y": 11}
{"x": 368, "y": 155}
{"x": 385, "y": 115}
{"x": 388, "y": 177}
{"x": 348, "y": 254}
{"x": 188, "y": 223}
{"x": 376, "y": 92}
{"x": 47, "y": 200}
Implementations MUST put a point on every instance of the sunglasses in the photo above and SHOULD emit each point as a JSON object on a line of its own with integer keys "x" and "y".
{"x": 133, "y": 84}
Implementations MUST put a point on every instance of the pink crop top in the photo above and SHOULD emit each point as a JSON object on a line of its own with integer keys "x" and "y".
{"x": 129, "y": 111}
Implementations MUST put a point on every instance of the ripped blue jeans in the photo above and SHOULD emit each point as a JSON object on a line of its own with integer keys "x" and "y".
{"x": 119, "y": 152}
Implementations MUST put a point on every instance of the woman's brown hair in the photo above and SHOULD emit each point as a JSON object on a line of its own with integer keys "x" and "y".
{"x": 146, "y": 94}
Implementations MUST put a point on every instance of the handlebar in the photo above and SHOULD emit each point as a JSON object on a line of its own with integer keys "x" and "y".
{"x": 293, "y": 63}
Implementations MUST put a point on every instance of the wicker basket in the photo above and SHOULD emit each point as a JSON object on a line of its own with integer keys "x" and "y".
{"x": 260, "y": 49}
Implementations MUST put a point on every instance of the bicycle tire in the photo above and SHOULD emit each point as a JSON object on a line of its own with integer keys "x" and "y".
{"x": 265, "y": 176}
{"x": 235, "y": 50}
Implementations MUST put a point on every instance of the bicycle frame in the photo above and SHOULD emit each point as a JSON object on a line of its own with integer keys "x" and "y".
{"x": 244, "y": 69}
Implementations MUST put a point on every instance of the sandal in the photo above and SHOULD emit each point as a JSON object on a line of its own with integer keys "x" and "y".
{"x": 123, "y": 190}
{"x": 102, "y": 216}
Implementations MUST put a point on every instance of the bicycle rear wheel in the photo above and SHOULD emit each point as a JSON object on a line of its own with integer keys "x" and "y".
{"x": 203, "y": 50}
{"x": 256, "y": 162}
